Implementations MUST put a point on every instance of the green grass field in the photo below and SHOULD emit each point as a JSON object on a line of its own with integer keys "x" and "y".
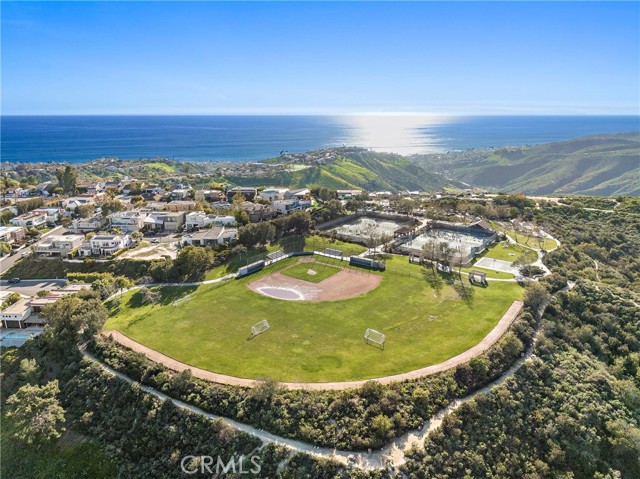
{"x": 301, "y": 271}
{"x": 320, "y": 341}
{"x": 510, "y": 252}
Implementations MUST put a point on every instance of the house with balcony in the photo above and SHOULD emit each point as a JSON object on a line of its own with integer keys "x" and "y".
{"x": 201, "y": 220}
{"x": 59, "y": 245}
{"x": 52, "y": 214}
{"x": 128, "y": 221}
{"x": 86, "y": 225}
{"x": 30, "y": 220}
{"x": 170, "y": 221}
{"x": 286, "y": 207}
{"x": 104, "y": 245}
{"x": 16, "y": 315}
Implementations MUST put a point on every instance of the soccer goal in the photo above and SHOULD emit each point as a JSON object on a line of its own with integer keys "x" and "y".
{"x": 259, "y": 327}
{"x": 375, "y": 337}
{"x": 179, "y": 301}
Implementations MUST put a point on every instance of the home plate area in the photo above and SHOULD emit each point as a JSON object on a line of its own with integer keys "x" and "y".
{"x": 342, "y": 285}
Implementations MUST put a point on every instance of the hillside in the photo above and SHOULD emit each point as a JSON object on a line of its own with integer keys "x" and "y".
{"x": 362, "y": 169}
{"x": 605, "y": 165}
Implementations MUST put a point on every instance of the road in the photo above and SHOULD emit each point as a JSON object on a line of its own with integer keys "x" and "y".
{"x": 7, "y": 262}
{"x": 30, "y": 287}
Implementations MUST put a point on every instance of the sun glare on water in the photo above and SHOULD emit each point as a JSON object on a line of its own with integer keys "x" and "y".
{"x": 395, "y": 133}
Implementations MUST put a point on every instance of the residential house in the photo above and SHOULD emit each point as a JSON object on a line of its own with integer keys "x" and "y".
{"x": 104, "y": 245}
{"x": 211, "y": 237}
{"x": 300, "y": 194}
{"x": 85, "y": 225}
{"x": 208, "y": 195}
{"x": 44, "y": 189}
{"x": 272, "y": 194}
{"x": 15, "y": 316}
{"x": 170, "y": 221}
{"x": 127, "y": 221}
{"x": 286, "y": 207}
{"x": 179, "y": 205}
{"x": 52, "y": 214}
{"x": 200, "y": 220}
{"x": 249, "y": 193}
{"x": 70, "y": 204}
{"x": 179, "y": 194}
{"x": 59, "y": 245}
{"x": 30, "y": 220}
{"x": 257, "y": 212}
{"x": 12, "y": 234}
{"x": 348, "y": 194}
{"x": 221, "y": 206}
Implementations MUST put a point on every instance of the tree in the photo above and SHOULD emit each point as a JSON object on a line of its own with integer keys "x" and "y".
{"x": 67, "y": 178}
{"x": 536, "y": 296}
{"x": 136, "y": 236}
{"x": 149, "y": 296}
{"x": 256, "y": 234}
{"x": 43, "y": 293}
{"x": 71, "y": 318}
{"x": 192, "y": 261}
{"x": 13, "y": 298}
{"x": 85, "y": 211}
{"x": 37, "y": 415}
{"x": 30, "y": 372}
{"x": 112, "y": 206}
{"x": 5, "y": 247}
{"x": 242, "y": 217}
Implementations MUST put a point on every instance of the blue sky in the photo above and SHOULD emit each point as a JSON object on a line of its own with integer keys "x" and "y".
{"x": 220, "y": 58}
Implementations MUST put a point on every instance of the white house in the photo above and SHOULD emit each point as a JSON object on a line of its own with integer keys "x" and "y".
{"x": 286, "y": 207}
{"x": 214, "y": 236}
{"x": 272, "y": 194}
{"x": 200, "y": 220}
{"x": 127, "y": 221}
{"x": 11, "y": 234}
{"x": 14, "y": 316}
{"x": 300, "y": 194}
{"x": 104, "y": 245}
{"x": 59, "y": 245}
{"x": 52, "y": 214}
{"x": 30, "y": 220}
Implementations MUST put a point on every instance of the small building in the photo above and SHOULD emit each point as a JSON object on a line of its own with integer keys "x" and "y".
{"x": 211, "y": 237}
{"x": 59, "y": 245}
{"x": 476, "y": 276}
{"x": 348, "y": 194}
{"x": 200, "y": 220}
{"x": 30, "y": 220}
{"x": 52, "y": 214}
{"x": 15, "y": 316}
{"x": 179, "y": 194}
{"x": 221, "y": 206}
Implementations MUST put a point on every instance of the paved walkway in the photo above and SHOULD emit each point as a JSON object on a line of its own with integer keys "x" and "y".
{"x": 489, "y": 340}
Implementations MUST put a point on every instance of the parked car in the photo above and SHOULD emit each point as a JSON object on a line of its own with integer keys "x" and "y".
{"x": 155, "y": 241}
{"x": 14, "y": 281}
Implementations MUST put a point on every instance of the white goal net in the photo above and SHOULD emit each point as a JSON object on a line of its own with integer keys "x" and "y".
{"x": 259, "y": 327}
{"x": 373, "y": 336}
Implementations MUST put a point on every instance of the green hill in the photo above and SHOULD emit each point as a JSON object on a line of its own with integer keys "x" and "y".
{"x": 605, "y": 165}
{"x": 363, "y": 169}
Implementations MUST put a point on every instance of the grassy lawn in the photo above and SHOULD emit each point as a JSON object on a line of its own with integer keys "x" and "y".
{"x": 68, "y": 458}
{"x": 509, "y": 252}
{"x": 296, "y": 243}
{"x": 316, "y": 341}
{"x": 321, "y": 271}
{"x": 522, "y": 239}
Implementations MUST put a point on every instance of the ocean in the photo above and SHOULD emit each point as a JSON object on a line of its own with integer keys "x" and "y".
{"x": 78, "y": 139}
